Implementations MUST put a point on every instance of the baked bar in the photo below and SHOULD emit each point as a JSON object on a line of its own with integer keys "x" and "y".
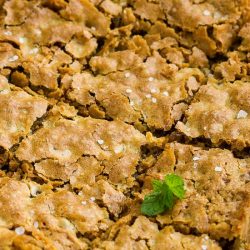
{"x": 100, "y": 97}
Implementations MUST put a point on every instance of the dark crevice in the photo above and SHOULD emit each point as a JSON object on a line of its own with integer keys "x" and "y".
{"x": 11, "y": 42}
{"x": 207, "y": 144}
{"x": 39, "y": 122}
{"x": 100, "y": 44}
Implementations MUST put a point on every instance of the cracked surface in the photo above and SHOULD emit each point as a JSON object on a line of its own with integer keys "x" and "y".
{"x": 18, "y": 111}
{"x": 99, "y": 97}
{"x": 138, "y": 94}
{"x": 63, "y": 141}
{"x": 220, "y": 119}
{"x": 217, "y": 189}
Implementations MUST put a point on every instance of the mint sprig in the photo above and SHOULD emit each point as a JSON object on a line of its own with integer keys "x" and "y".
{"x": 163, "y": 196}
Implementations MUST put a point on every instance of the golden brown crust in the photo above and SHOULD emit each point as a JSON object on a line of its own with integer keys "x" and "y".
{"x": 144, "y": 234}
{"x": 217, "y": 197}
{"x": 116, "y": 144}
{"x": 97, "y": 98}
{"x": 220, "y": 113}
{"x": 18, "y": 111}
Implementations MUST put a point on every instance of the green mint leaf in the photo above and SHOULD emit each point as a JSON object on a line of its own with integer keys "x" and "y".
{"x": 157, "y": 185}
{"x": 153, "y": 204}
{"x": 176, "y": 185}
{"x": 168, "y": 197}
{"x": 163, "y": 195}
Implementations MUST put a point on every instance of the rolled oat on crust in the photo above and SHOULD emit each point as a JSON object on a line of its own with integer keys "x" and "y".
{"x": 98, "y": 98}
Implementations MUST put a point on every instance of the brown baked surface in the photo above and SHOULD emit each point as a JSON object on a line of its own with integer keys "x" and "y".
{"x": 100, "y": 97}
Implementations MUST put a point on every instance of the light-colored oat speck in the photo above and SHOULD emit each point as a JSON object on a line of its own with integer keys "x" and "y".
{"x": 38, "y": 32}
{"x": 154, "y": 100}
{"x": 153, "y": 90}
{"x": 148, "y": 96}
{"x": 13, "y": 58}
{"x": 242, "y": 114}
{"x": 206, "y": 13}
{"x": 92, "y": 198}
{"x": 218, "y": 168}
{"x": 196, "y": 158}
{"x": 7, "y": 33}
{"x": 217, "y": 15}
{"x": 165, "y": 93}
{"x": 128, "y": 91}
{"x": 36, "y": 224}
{"x": 34, "y": 51}
{"x": 204, "y": 247}
{"x": 132, "y": 103}
{"x": 84, "y": 202}
{"x": 4, "y": 92}
{"x": 34, "y": 190}
{"x": 100, "y": 141}
{"x": 19, "y": 230}
{"x": 151, "y": 79}
{"x": 127, "y": 74}
{"x": 118, "y": 149}
{"x": 22, "y": 39}
{"x": 13, "y": 128}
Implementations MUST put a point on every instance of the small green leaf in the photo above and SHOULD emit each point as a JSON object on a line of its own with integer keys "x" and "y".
{"x": 176, "y": 185}
{"x": 157, "y": 185}
{"x": 168, "y": 197}
{"x": 152, "y": 204}
{"x": 163, "y": 195}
